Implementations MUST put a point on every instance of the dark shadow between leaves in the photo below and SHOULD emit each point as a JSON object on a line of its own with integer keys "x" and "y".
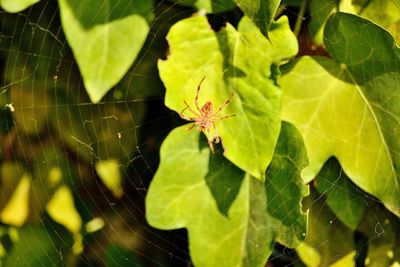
{"x": 229, "y": 69}
{"x": 223, "y": 178}
{"x": 283, "y": 185}
{"x": 93, "y": 12}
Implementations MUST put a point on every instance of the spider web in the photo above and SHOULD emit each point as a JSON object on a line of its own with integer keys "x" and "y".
{"x": 47, "y": 122}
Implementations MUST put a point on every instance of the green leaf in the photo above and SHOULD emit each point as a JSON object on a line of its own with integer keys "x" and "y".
{"x": 14, "y": 192}
{"x": 386, "y": 13}
{"x": 242, "y": 61}
{"x": 109, "y": 173}
{"x": 17, "y": 209}
{"x": 343, "y": 197}
{"x": 105, "y": 38}
{"x": 261, "y": 12}
{"x": 320, "y": 11}
{"x": 232, "y": 218}
{"x": 211, "y": 6}
{"x": 354, "y": 116}
{"x": 14, "y": 6}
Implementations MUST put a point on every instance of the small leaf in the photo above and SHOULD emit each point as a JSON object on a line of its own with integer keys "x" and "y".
{"x": 17, "y": 209}
{"x": 346, "y": 261}
{"x": 109, "y": 173}
{"x": 343, "y": 197}
{"x": 355, "y": 115}
{"x": 261, "y": 12}
{"x": 14, "y": 6}
{"x": 308, "y": 255}
{"x": 192, "y": 188}
{"x": 243, "y": 62}
{"x": 62, "y": 209}
{"x": 105, "y": 38}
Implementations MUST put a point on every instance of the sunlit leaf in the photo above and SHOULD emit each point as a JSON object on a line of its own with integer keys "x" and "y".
{"x": 243, "y": 62}
{"x": 348, "y": 109}
{"x": 308, "y": 255}
{"x": 223, "y": 208}
{"x": 109, "y": 173}
{"x": 105, "y": 37}
{"x": 14, "y": 6}
{"x": 346, "y": 261}
{"x": 62, "y": 209}
{"x": 261, "y": 12}
{"x": 17, "y": 209}
{"x": 386, "y": 13}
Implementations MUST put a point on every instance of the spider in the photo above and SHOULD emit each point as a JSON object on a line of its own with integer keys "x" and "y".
{"x": 205, "y": 117}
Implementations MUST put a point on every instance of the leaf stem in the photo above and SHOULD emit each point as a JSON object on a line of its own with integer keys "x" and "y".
{"x": 280, "y": 10}
{"x": 300, "y": 17}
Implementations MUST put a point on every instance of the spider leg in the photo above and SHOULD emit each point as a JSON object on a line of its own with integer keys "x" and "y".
{"x": 187, "y": 118}
{"x": 191, "y": 127}
{"x": 225, "y": 104}
{"x": 191, "y": 110}
{"x": 224, "y": 117}
{"x": 216, "y": 135}
{"x": 196, "y": 99}
{"x": 210, "y": 144}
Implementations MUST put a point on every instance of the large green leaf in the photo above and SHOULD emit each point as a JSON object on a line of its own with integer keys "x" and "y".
{"x": 232, "y": 218}
{"x": 383, "y": 12}
{"x": 105, "y": 37}
{"x": 14, "y": 6}
{"x": 350, "y": 108}
{"x": 242, "y": 61}
{"x": 261, "y": 12}
{"x": 343, "y": 197}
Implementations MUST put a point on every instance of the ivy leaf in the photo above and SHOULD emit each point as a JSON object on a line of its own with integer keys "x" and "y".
{"x": 261, "y": 12}
{"x": 211, "y": 6}
{"x": 223, "y": 208}
{"x": 242, "y": 61}
{"x": 105, "y": 38}
{"x": 354, "y": 116}
{"x": 343, "y": 197}
{"x": 383, "y": 12}
{"x": 14, "y": 6}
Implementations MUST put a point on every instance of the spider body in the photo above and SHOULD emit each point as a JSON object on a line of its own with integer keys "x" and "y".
{"x": 205, "y": 117}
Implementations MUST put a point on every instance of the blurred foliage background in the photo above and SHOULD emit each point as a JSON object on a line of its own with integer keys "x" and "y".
{"x": 74, "y": 174}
